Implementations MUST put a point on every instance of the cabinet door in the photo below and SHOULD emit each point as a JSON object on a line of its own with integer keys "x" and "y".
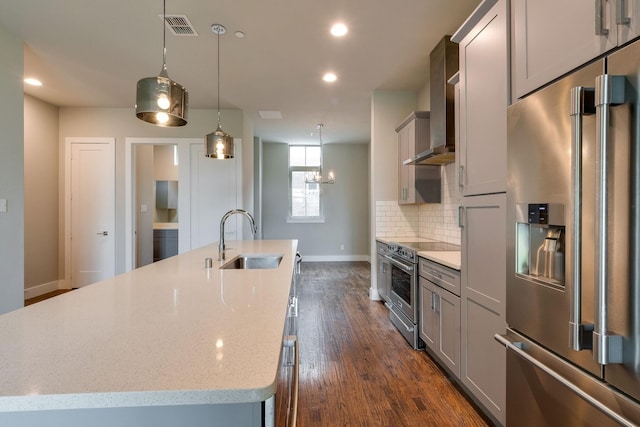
{"x": 483, "y": 294}
{"x": 553, "y": 37}
{"x": 448, "y": 308}
{"x": 484, "y": 82}
{"x": 406, "y": 173}
{"x": 429, "y": 327}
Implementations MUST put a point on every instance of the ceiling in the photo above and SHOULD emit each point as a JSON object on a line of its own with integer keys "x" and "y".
{"x": 92, "y": 53}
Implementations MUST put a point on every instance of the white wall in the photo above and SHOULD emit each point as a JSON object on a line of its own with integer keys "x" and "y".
{"x": 345, "y": 203}
{"x": 11, "y": 173}
{"x": 145, "y": 185}
{"x": 40, "y": 196}
{"x": 122, "y": 123}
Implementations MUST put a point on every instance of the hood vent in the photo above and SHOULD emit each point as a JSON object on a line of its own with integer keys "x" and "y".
{"x": 443, "y": 66}
{"x": 179, "y": 25}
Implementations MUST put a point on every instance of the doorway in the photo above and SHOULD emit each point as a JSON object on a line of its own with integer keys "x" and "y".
{"x": 199, "y": 200}
{"x": 89, "y": 210}
{"x": 157, "y": 188}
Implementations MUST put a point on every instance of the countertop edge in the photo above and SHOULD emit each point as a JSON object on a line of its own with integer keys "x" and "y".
{"x": 451, "y": 260}
{"x": 134, "y": 399}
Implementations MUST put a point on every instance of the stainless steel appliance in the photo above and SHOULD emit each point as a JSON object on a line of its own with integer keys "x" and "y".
{"x": 288, "y": 385}
{"x": 384, "y": 271}
{"x": 573, "y": 299}
{"x": 443, "y": 64}
{"x": 403, "y": 257}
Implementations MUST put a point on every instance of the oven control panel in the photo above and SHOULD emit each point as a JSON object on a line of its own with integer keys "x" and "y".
{"x": 403, "y": 252}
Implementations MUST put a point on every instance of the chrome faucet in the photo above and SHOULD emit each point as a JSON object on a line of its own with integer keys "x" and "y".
{"x": 221, "y": 246}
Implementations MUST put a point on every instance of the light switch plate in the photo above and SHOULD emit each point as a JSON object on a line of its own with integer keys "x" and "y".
{"x": 3, "y": 205}
{"x": 143, "y": 208}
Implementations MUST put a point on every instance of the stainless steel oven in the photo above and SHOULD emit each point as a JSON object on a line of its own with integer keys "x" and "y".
{"x": 403, "y": 286}
{"x": 404, "y": 292}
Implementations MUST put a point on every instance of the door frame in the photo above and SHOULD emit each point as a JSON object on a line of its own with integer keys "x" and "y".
{"x": 68, "y": 141}
{"x": 184, "y": 194}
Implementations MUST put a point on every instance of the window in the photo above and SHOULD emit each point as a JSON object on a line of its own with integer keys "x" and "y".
{"x": 304, "y": 198}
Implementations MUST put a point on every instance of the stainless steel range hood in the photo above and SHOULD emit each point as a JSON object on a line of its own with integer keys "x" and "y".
{"x": 443, "y": 65}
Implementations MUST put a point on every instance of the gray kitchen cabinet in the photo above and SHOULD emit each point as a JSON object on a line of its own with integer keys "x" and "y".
{"x": 165, "y": 244}
{"x": 484, "y": 97}
{"x": 428, "y": 316}
{"x": 484, "y": 85}
{"x": 551, "y": 38}
{"x": 483, "y": 299}
{"x": 167, "y": 194}
{"x": 440, "y": 324}
{"x": 413, "y": 137}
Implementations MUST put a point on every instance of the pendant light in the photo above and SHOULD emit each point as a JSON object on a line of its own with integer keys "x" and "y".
{"x": 316, "y": 178}
{"x": 160, "y": 100}
{"x": 218, "y": 144}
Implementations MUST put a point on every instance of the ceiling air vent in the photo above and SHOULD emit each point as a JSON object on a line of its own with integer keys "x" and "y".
{"x": 179, "y": 25}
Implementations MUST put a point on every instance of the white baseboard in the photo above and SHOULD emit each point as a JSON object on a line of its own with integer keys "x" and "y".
{"x": 36, "y": 291}
{"x": 374, "y": 295}
{"x": 335, "y": 258}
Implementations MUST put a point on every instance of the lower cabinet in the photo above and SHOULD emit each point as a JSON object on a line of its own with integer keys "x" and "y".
{"x": 165, "y": 244}
{"x": 440, "y": 316}
{"x": 483, "y": 299}
{"x": 440, "y": 324}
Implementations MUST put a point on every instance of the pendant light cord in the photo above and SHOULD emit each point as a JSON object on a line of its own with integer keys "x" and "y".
{"x": 218, "y": 32}
{"x": 163, "y": 72}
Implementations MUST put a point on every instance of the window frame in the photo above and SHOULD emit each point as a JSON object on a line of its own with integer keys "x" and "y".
{"x": 307, "y": 170}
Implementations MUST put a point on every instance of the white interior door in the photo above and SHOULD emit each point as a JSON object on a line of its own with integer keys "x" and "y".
{"x": 92, "y": 212}
{"x": 214, "y": 191}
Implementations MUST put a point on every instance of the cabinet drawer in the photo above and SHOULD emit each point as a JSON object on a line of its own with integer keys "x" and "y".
{"x": 442, "y": 276}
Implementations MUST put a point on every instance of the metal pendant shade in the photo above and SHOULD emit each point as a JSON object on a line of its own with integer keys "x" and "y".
{"x": 219, "y": 144}
{"x": 160, "y": 100}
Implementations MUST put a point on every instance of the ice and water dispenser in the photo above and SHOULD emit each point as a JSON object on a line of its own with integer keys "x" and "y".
{"x": 540, "y": 242}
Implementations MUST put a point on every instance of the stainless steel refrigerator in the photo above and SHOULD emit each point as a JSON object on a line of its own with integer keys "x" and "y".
{"x": 573, "y": 299}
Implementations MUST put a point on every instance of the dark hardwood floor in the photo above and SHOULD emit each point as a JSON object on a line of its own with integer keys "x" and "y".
{"x": 355, "y": 367}
{"x": 44, "y": 296}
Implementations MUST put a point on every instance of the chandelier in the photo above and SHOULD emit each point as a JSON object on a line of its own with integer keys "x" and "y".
{"x": 317, "y": 178}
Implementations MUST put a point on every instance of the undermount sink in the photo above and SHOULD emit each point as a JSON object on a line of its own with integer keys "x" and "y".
{"x": 253, "y": 262}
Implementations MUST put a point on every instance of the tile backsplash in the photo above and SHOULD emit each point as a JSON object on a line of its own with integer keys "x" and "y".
{"x": 438, "y": 221}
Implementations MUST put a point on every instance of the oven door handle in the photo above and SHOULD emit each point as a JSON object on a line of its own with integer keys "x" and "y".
{"x": 400, "y": 265}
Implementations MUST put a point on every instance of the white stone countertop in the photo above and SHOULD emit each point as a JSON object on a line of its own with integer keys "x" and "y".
{"x": 165, "y": 225}
{"x": 450, "y": 259}
{"x": 169, "y": 333}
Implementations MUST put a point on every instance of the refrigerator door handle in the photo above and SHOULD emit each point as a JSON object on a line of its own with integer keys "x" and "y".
{"x": 582, "y": 104}
{"x": 607, "y": 347}
{"x": 520, "y": 349}
{"x": 622, "y": 17}
{"x": 600, "y": 18}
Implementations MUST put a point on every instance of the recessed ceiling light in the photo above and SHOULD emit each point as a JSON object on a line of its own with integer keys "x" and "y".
{"x": 339, "y": 29}
{"x": 330, "y": 77}
{"x": 33, "y": 82}
{"x": 239, "y": 34}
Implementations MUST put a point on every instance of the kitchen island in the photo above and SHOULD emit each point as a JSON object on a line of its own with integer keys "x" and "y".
{"x": 170, "y": 343}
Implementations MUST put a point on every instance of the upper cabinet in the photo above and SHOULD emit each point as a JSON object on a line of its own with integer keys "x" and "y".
{"x": 484, "y": 96}
{"x": 166, "y": 194}
{"x": 551, "y": 38}
{"x": 416, "y": 184}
